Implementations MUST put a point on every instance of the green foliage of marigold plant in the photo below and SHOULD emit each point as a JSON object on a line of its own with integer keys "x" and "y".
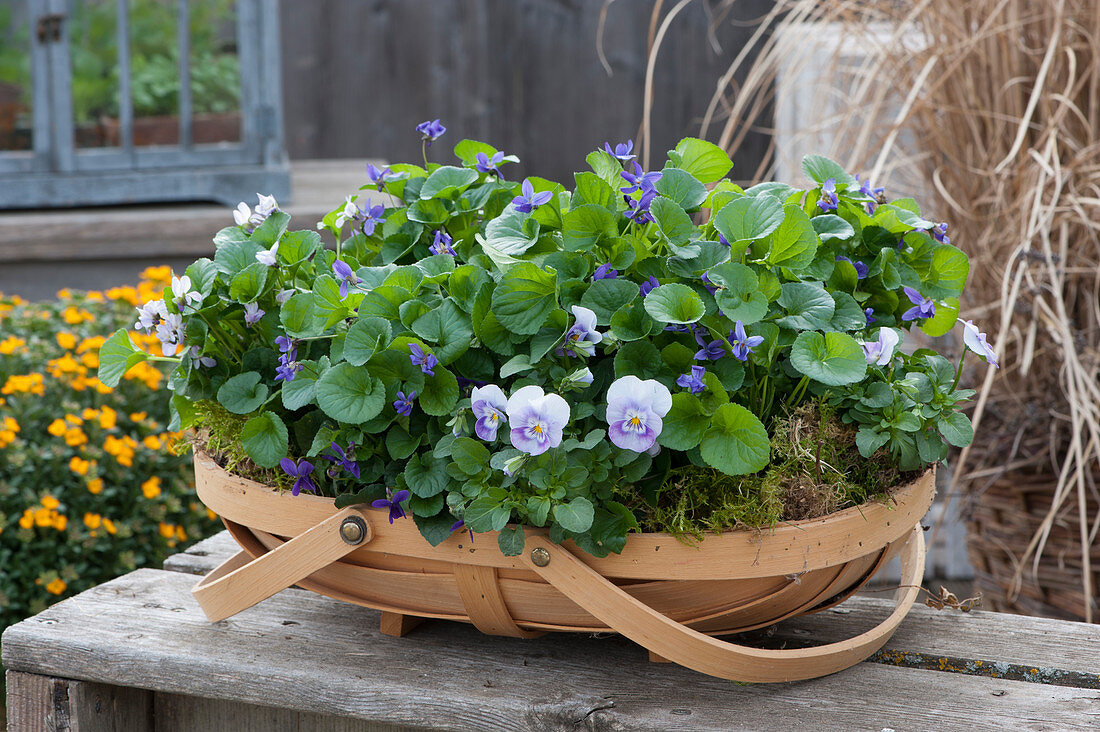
{"x": 421, "y": 364}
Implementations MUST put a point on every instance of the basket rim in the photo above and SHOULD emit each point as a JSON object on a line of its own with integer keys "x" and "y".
{"x": 789, "y": 548}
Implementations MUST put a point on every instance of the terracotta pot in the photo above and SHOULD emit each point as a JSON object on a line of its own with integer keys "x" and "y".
{"x": 660, "y": 592}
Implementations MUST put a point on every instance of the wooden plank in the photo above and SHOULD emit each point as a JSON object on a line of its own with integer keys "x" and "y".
{"x": 44, "y": 703}
{"x": 324, "y": 657}
{"x": 29, "y": 702}
{"x": 204, "y": 556}
{"x": 179, "y": 713}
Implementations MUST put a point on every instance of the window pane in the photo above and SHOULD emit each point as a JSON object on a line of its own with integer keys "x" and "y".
{"x": 93, "y": 49}
{"x": 215, "y": 72}
{"x": 15, "y": 76}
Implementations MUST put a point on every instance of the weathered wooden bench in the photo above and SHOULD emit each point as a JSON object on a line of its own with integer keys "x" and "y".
{"x": 136, "y": 654}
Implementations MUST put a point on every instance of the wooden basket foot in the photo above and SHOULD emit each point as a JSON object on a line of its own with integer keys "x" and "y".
{"x": 398, "y": 624}
{"x": 654, "y": 658}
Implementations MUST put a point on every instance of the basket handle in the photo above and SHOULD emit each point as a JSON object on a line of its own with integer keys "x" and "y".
{"x": 671, "y": 640}
{"x": 238, "y": 584}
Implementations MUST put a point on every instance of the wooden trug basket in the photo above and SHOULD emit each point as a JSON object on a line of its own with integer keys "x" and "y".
{"x": 665, "y": 595}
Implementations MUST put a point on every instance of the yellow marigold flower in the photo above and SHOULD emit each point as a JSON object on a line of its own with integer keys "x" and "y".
{"x": 168, "y": 531}
{"x": 11, "y": 424}
{"x": 127, "y": 294}
{"x": 43, "y": 517}
{"x": 6, "y": 438}
{"x": 90, "y": 360}
{"x": 56, "y": 586}
{"x": 79, "y": 465}
{"x": 151, "y": 488}
{"x": 107, "y": 418}
{"x": 60, "y": 522}
{"x": 95, "y": 486}
{"x": 109, "y": 525}
{"x": 57, "y": 427}
{"x": 211, "y": 515}
{"x": 94, "y": 296}
{"x": 10, "y": 344}
{"x": 75, "y": 316}
{"x": 75, "y": 437}
{"x": 151, "y": 442}
{"x": 27, "y": 520}
{"x": 91, "y": 344}
{"x": 79, "y": 383}
{"x": 93, "y": 520}
{"x": 100, "y": 386}
{"x": 89, "y": 413}
{"x": 25, "y": 384}
{"x": 73, "y": 419}
{"x": 138, "y": 416}
{"x": 181, "y": 534}
{"x": 66, "y": 341}
{"x": 163, "y": 273}
{"x": 126, "y": 459}
{"x": 64, "y": 294}
{"x": 50, "y": 502}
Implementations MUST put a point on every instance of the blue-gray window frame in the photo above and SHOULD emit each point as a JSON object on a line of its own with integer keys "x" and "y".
{"x": 54, "y": 173}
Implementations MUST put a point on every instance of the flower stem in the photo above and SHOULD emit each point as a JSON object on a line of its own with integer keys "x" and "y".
{"x": 959, "y": 370}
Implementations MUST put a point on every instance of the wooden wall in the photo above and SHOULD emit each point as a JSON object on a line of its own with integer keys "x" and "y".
{"x": 523, "y": 75}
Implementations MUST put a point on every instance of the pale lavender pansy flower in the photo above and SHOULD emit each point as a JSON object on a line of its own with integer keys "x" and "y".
{"x": 976, "y": 342}
{"x": 528, "y": 201}
{"x": 441, "y": 244}
{"x": 536, "y": 419}
{"x": 624, "y": 151}
{"x": 198, "y": 360}
{"x": 742, "y": 343}
{"x": 880, "y": 352}
{"x": 347, "y": 277}
{"x": 300, "y": 471}
{"x": 170, "y": 333}
{"x": 605, "y": 272}
{"x": 267, "y": 256}
{"x": 693, "y": 382}
{"x": 241, "y": 214}
{"x": 582, "y": 336}
{"x": 150, "y": 315}
{"x": 486, "y": 164}
{"x": 635, "y": 409}
{"x": 430, "y": 130}
{"x": 283, "y": 295}
{"x": 489, "y": 405}
{"x": 923, "y": 307}
{"x": 182, "y": 293}
{"x": 393, "y": 502}
{"x": 426, "y": 361}
{"x": 649, "y": 286}
{"x": 252, "y": 313}
{"x": 404, "y": 404}
{"x": 828, "y": 200}
{"x": 267, "y": 205}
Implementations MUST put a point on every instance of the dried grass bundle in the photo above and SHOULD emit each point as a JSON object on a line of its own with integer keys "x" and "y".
{"x": 997, "y": 104}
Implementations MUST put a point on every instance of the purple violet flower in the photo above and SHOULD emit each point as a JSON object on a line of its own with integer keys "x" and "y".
{"x": 880, "y": 351}
{"x": 649, "y": 286}
{"x": 624, "y": 151}
{"x": 604, "y": 272}
{"x": 288, "y": 368}
{"x": 252, "y": 313}
{"x": 300, "y": 472}
{"x": 170, "y": 333}
{"x": 486, "y": 164}
{"x": 869, "y": 313}
{"x": 371, "y": 216}
{"x": 379, "y": 176}
{"x": 342, "y": 460}
{"x": 976, "y": 342}
{"x": 489, "y": 406}
{"x": 404, "y": 404}
{"x": 712, "y": 351}
{"x": 346, "y": 276}
{"x": 426, "y": 361}
{"x": 923, "y": 307}
{"x": 828, "y": 200}
{"x": 873, "y": 193}
{"x": 634, "y": 412}
{"x": 707, "y": 283}
{"x": 742, "y": 343}
{"x": 536, "y": 419}
{"x": 639, "y": 180}
{"x": 392, "y": 501}
{"x": 529, "y": 200}
{"x": 583, "y": 336}
{"x": 939, "y": 233}
{"x": 860, "y": 267}
{"x": 639, "y": 209}
{"x": 150, "y": 315}
{"x": 430, "y": 131}
{"x": 722, "y": 240}
{"x": 442, "y": 244}
{"x": 285, "y": 344}
{"x": 198, "y": 360}
{"x": 693, "y": 382}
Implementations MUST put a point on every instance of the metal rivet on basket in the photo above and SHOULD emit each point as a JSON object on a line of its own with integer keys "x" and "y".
{"x": 353, "y": 530}
{"x": 540, "y": 557}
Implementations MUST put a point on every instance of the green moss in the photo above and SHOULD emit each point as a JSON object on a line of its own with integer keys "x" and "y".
{"x": 816, "y": 470}
{"x": 218, "y": 433}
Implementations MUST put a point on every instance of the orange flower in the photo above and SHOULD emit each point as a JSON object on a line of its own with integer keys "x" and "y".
{"x": 107, "y": 418}
{"x": 73, "y": 419}
{"x": 152, "y": 442}
{"x": 127, "y": 294}
{"x": 66, "y": 341}
{"x": 79, "y": 465}
{"x": 168, "y": 531}
{"x": 138, "y": 416}
{"x": 91, "y": 344}
{"x": 27, "y": 384}
{"x": 57, "y": 427}
{"x": 89, "y": 414}
{"x": 64, "y": 294}
{"x": 43, "y": 517}
{"x": 93, "y": 520}
{"x": 109, "y": 525}
{"x": 95, "y": 486}
{"x": 151, "y": 488}
{"x": 181, "y": 535}
{"x": 90, "y": 360}
{"x": 75, "y": 316}
{"x": 75, "y": 437}
{"x": 49, "y": 502}
{"x": 27, "y": 520}
{"x": 56, "y": 586}
{"x": 161, "y": 274}
{"x": 59, "y": 522}
{"x": 10, "y": 344}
